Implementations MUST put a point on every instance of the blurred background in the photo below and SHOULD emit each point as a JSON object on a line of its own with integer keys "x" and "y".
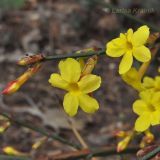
{"x": 58, "y": 27}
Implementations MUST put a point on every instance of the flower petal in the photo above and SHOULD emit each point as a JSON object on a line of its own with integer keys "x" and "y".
{"x": 139, "y": 107}
{"x": 88, "y": 104}
{"x": 148, "y": 82}
{"x": 126, "y": 63}
{"x": 143, "y": 122}
{"x": 155, "y": 118}
{"x": 157, "y": 82}
{"x": 142, "y": 54}
{"x": 129, "y": 35}
{"x": 57, "y": 81}
{"x": 70, "y": 70}
{"x": 155, "y": 101}
{"x": 89, "y": 83}
{"x": 70, "y": 104}
{"x": 146, "y": 95}
{"x": 140, "y": 36}
{"x": 116, "y": 47}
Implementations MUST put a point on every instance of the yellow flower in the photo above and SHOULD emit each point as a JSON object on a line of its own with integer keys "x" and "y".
{"x": 133, "y": 79}
{"x": 78, "y": 87}
{"x": 148, "y": 109}
{"x": 130, "y": 45}
{"x": 150, "y": 83}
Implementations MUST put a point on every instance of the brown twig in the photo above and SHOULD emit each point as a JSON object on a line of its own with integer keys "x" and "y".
{"x": 97, "y": 152}
{"x": 76, "y": 133}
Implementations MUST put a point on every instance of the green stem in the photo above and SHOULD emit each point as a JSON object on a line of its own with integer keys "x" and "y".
{"x": 151, "y": 154}
{"x": 41, "y": 131}
{"x": 97, "y": 152}
{"x": 7, "y": 157}
{"x": 75, "y": 55}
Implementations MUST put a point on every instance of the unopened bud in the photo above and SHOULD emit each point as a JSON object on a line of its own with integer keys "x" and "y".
{"x": 147, "y": 139}
{"x": 120, "y": 134}
{"x": 30, "y": 59}
{"x": 122, "y": 145}
{"x": 153, "y": 38}
{"x": 12, "y": 151}
{"x": 14, "y": 86}
{"x": 39, "y": 143}
{"x": 89, "y": 66}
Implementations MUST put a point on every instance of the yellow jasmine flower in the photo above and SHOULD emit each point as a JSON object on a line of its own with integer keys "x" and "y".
{"x": 148, "y": 109}
{"x": 133, "y": 79}
{"x": 129, "y": 45}
{"x": 152, "y": 83}
{"x": 78, "y": 87}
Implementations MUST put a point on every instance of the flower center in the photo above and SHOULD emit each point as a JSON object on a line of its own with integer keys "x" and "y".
{"x": 74, "y": 87}
{"x": 152, "y": 108}
{"x": 129, "y": 46}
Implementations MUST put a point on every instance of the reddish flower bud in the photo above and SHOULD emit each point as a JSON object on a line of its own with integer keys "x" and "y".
{"x": 13, "y": 86}
{"x": 122, "y": 145}
{"x": 120, "y": 134}
{"x": 30, "y": 59}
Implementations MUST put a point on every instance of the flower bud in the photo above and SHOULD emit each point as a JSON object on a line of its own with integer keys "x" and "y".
{"x": 4, "y": 124}
{"x": 147, "y": 139}
{"x": 39, "y": 143}
{"x": 30, "y": 59}
{"x": 12, "y": 151}
{"x": 122, "y": 145}
{"x": 120, "y": 134}
{"x": 13, "y": 86}
{"x": 153, "y": 38}
{"x": 89, "y": 66}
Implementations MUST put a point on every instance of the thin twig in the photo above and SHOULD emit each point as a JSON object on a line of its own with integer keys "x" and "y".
{"x": 7, "y": 157}
{"x": 97, "y": 152}
{"x": 151, "y": 154}
{"x": 41, "y": 131}
{"x": 75, "y": 55}
{"x": 77, "y": 134}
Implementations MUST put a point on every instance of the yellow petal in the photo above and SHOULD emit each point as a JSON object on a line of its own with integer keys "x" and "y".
{"x": 155, "y": 118}
{"x": 140, "y": 36}
{"x": 88, "y": 104}
{"x": 133, "y": 79}
{"x": 89, "y": 83}
{"x": 140, "y": 107}
{"x": 70, "y": 70}
{"x": 70, "y": 104}
{"x": 126, "y": 63}
{"x": 142, "y": 54}
{"x": 146, "y": 95}
{"x": 129, "y": 35}
{"x": 155, "y": 101}
{"x": 115, "y": 48}
{"x": 123, "y": 36}
{"x": 148, "y": 82}
{"x": 157, "y": 82}
{"x": 143, "y": 122}
{"x": 57, "y": 81}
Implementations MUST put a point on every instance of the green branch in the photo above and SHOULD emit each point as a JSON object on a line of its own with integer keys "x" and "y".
{"x": 75, "y": 55}
{"x": 41, "y": 131}
{"x": 151, "y": 154}
{"x": 7, "y": 157}
{"x": 96, "y": 152}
